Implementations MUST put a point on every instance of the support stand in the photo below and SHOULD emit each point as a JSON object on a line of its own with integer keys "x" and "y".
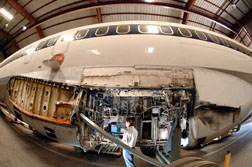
{"x": 174, "y": 141}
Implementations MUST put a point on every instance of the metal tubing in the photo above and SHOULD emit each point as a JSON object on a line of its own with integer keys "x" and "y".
{"x": 121, "y": 144}
{"x": 164, "y": 158}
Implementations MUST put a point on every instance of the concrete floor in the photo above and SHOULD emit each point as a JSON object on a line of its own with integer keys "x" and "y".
{"x": 19, "y": 147}
{"x": 239, "y": 144}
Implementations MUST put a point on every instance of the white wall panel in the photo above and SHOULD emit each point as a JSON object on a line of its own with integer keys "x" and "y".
{"x": 222, "y": 29}
{"x": 113, "y": 18}
{"x": 28, "y": 40}
{"x": 207, "y": 6}
{"x": 217, "y": 2}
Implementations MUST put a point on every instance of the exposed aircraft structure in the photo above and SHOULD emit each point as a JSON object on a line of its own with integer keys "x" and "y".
{"x": 149, "y": 70}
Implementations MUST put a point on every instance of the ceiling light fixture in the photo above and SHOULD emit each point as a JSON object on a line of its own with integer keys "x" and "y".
{"x": 6, "y": 14}
{"x": 233, "y": 3}
{"x": 24, "y": 28}
{"x": 234, "y": 6}
{"x": 150, "y": 50}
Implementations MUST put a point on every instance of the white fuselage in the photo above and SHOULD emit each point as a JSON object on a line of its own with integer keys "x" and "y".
{"x": 214, "y": 65}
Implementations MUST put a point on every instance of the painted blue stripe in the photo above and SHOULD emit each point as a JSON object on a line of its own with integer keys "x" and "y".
{"x": 134, "y": 30}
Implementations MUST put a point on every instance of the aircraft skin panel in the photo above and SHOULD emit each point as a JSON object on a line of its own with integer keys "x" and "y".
{"x": 166, "y": 51}
{"x": 61, "y": 132}
{"x": 70, "y": 76}
{"x": 34, "y": 65}
{"x": 218, "y": 112}
{"x": 139, "y": 77}
{"x": 226, "y": 85}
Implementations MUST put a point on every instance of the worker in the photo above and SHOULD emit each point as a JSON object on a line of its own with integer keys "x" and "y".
{"x": 129, "y": 138}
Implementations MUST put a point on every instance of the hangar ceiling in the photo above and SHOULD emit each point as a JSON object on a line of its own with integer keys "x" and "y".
{"x": 36, "y": 19}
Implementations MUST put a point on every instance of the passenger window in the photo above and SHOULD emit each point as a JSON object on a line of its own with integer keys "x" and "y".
{"x": 244, "y": 50}
{"x": 224, "y": 41}
{"x": 214, "y": 38}
{"x": 233, "y": 45}
{"x": 52, "y": 41}
{"x": 122, "y": 29}
{"x": 185, "y": 32}
{"x": 41, "y": 44}
{"x": 247, "y": 51}
{"x": 166, "y": 30}
{"x": 152, "y": 29}
{"x": 201, "y": 35}
{"x": 240, "y": 48}
{"x": 81, "y": 34}
{"x": 101, "y": 31}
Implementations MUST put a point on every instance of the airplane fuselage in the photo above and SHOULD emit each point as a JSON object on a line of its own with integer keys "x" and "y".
{"x": 142, "y": 69}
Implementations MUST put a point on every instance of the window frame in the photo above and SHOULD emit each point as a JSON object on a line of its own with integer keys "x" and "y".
{"x": 223, "y": 41}
{"x": 123, "y": 32}
{"x": 55, "y": 40}
{"x": 139, "y": 28}
{"x": 179, "y": 28}
{"x": 76, "y": 36}
{"x": 160, "y": 29}
{"x": 97, "y": 29}
{"x": 211, "y": 37}
{"x": 240, "y": 48}
{"x": 233, "y": 45}
{"x": 196, "y": 32}
{"x": 44, "y": 42}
